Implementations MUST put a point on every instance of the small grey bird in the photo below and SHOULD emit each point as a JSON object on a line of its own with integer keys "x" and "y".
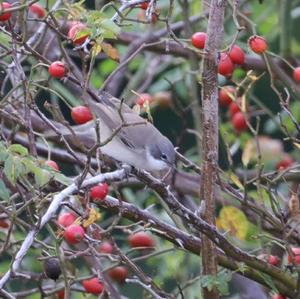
{"x": 137, "y": 142}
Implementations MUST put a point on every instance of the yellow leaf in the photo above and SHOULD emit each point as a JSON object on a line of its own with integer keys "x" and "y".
{"x": 297, "y": 145}
{"x": 249, "y": 152}
{"x": 244, "y": 103}
{"x": 236, "y": 180}
{"x": 110, "y": 51}
{"x": 93, "y": 217}
{"x": 96, "y": 50}
{"x": 234, "y": 221}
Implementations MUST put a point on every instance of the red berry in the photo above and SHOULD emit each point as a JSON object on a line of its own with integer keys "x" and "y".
{"x": 284, "y": 163}
{"x": 99, "y": 192}
{"x": 226, "y": 66}
{"x": 118, "y": 274}
{"x": 237, "y": 55}
{"x": 66, "y": 219}
{"x": 296, "y": 256}
{"x": 141, "y": 239}
{"x": 81, "y": 114}
{"x": 198, "y": 40}
{"x": 257, "y": 44}
{"x": 37, "y": 10}
{"x": 296, "y": 74}
{"x": 106, "y": 247}
{"x": 93, "y": 286}
{"x": 60, "y": 294}
{"x": 225, "y": 95}
{"x": 4, "y": 223}
{"x": 278, "y": 296}
{"x": 77, "y": 33}
{"x": 239, "y": 122}
{"x": 273, "y": 260}
{"x": 144, "y": 5}
{"x": 57, "y": 69}
{"x": 143, "y": 98}
{"x": 234, "y": 107}
{"x": 74, "y": 234}
{"x": 5, "y": 16}
{"x": 52, "y": 164}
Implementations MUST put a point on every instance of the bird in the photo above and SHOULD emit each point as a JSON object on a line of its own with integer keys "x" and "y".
{"x": 130, "y": 138}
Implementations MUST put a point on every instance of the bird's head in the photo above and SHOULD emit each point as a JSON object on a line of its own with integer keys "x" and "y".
{"x": 161, "y": 155}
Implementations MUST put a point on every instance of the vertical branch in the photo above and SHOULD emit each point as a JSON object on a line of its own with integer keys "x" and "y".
{"x": 193, "y": 61}
{"x": 285, "y": 22}
{"x": 210, "y": 135}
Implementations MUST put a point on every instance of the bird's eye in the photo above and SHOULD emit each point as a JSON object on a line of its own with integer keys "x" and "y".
{"x": 163, "y": 156}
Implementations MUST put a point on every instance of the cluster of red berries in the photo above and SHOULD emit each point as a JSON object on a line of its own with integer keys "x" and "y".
{"x": 34, "y": 8}
{"x": 138, "y": 240}
{"x": 117, "y": 274}
{"x": 238, "y": 120}
{"x": 73, "y": 233}
{"x": 236, "y": 55}
{"x": 275, "y": 261}
{"x": 78, "y": 33}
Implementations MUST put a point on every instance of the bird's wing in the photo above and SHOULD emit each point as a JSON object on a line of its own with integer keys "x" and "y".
{"x": 130, "y": 135}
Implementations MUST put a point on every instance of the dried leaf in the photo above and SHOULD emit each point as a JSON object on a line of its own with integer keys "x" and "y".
{"x": 234, "y": 221}
{"x": 96, "y": 49}
{"x": 110, "y": 51}
{"x": 236, "y": 180}
{"x": 93, "y": 217}
{"x": 249, "y": 152}
{"x": 297, "y": 145}
{"x": 244, "y": 103}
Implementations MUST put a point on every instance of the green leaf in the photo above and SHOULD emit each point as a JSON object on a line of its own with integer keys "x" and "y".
{"x": 220, "y": 282}
{"x": 29, "y": 164}
{"x": 4, "y": 39}
{"x": 242, "y": 267}
{"x": 19, "y": 149}
{"x": 4, "y": 266}
{"x": 223, "y": 278}
{"x": 65, "y": 93}
{"x": 269, "y": 281}
{"x": 3, "y": 156}
{"x": 208, "y": 281}
{"x": 3, "y": 152}
{"x": 4, "y": 192}
{"x": 94, "y": 17}
{"x": 109, "y": 26}
{"x": 62, "y": 178}
{"x": 13, "y": 168}
{"x": 42, "y": 176}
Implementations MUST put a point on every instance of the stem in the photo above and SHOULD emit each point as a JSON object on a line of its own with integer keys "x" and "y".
{"x": 285, "y": 27}
{"x": 210, "y": 138}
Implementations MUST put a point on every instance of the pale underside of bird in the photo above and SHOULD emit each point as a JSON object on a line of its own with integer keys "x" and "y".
{"x": 127, "y": 137}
